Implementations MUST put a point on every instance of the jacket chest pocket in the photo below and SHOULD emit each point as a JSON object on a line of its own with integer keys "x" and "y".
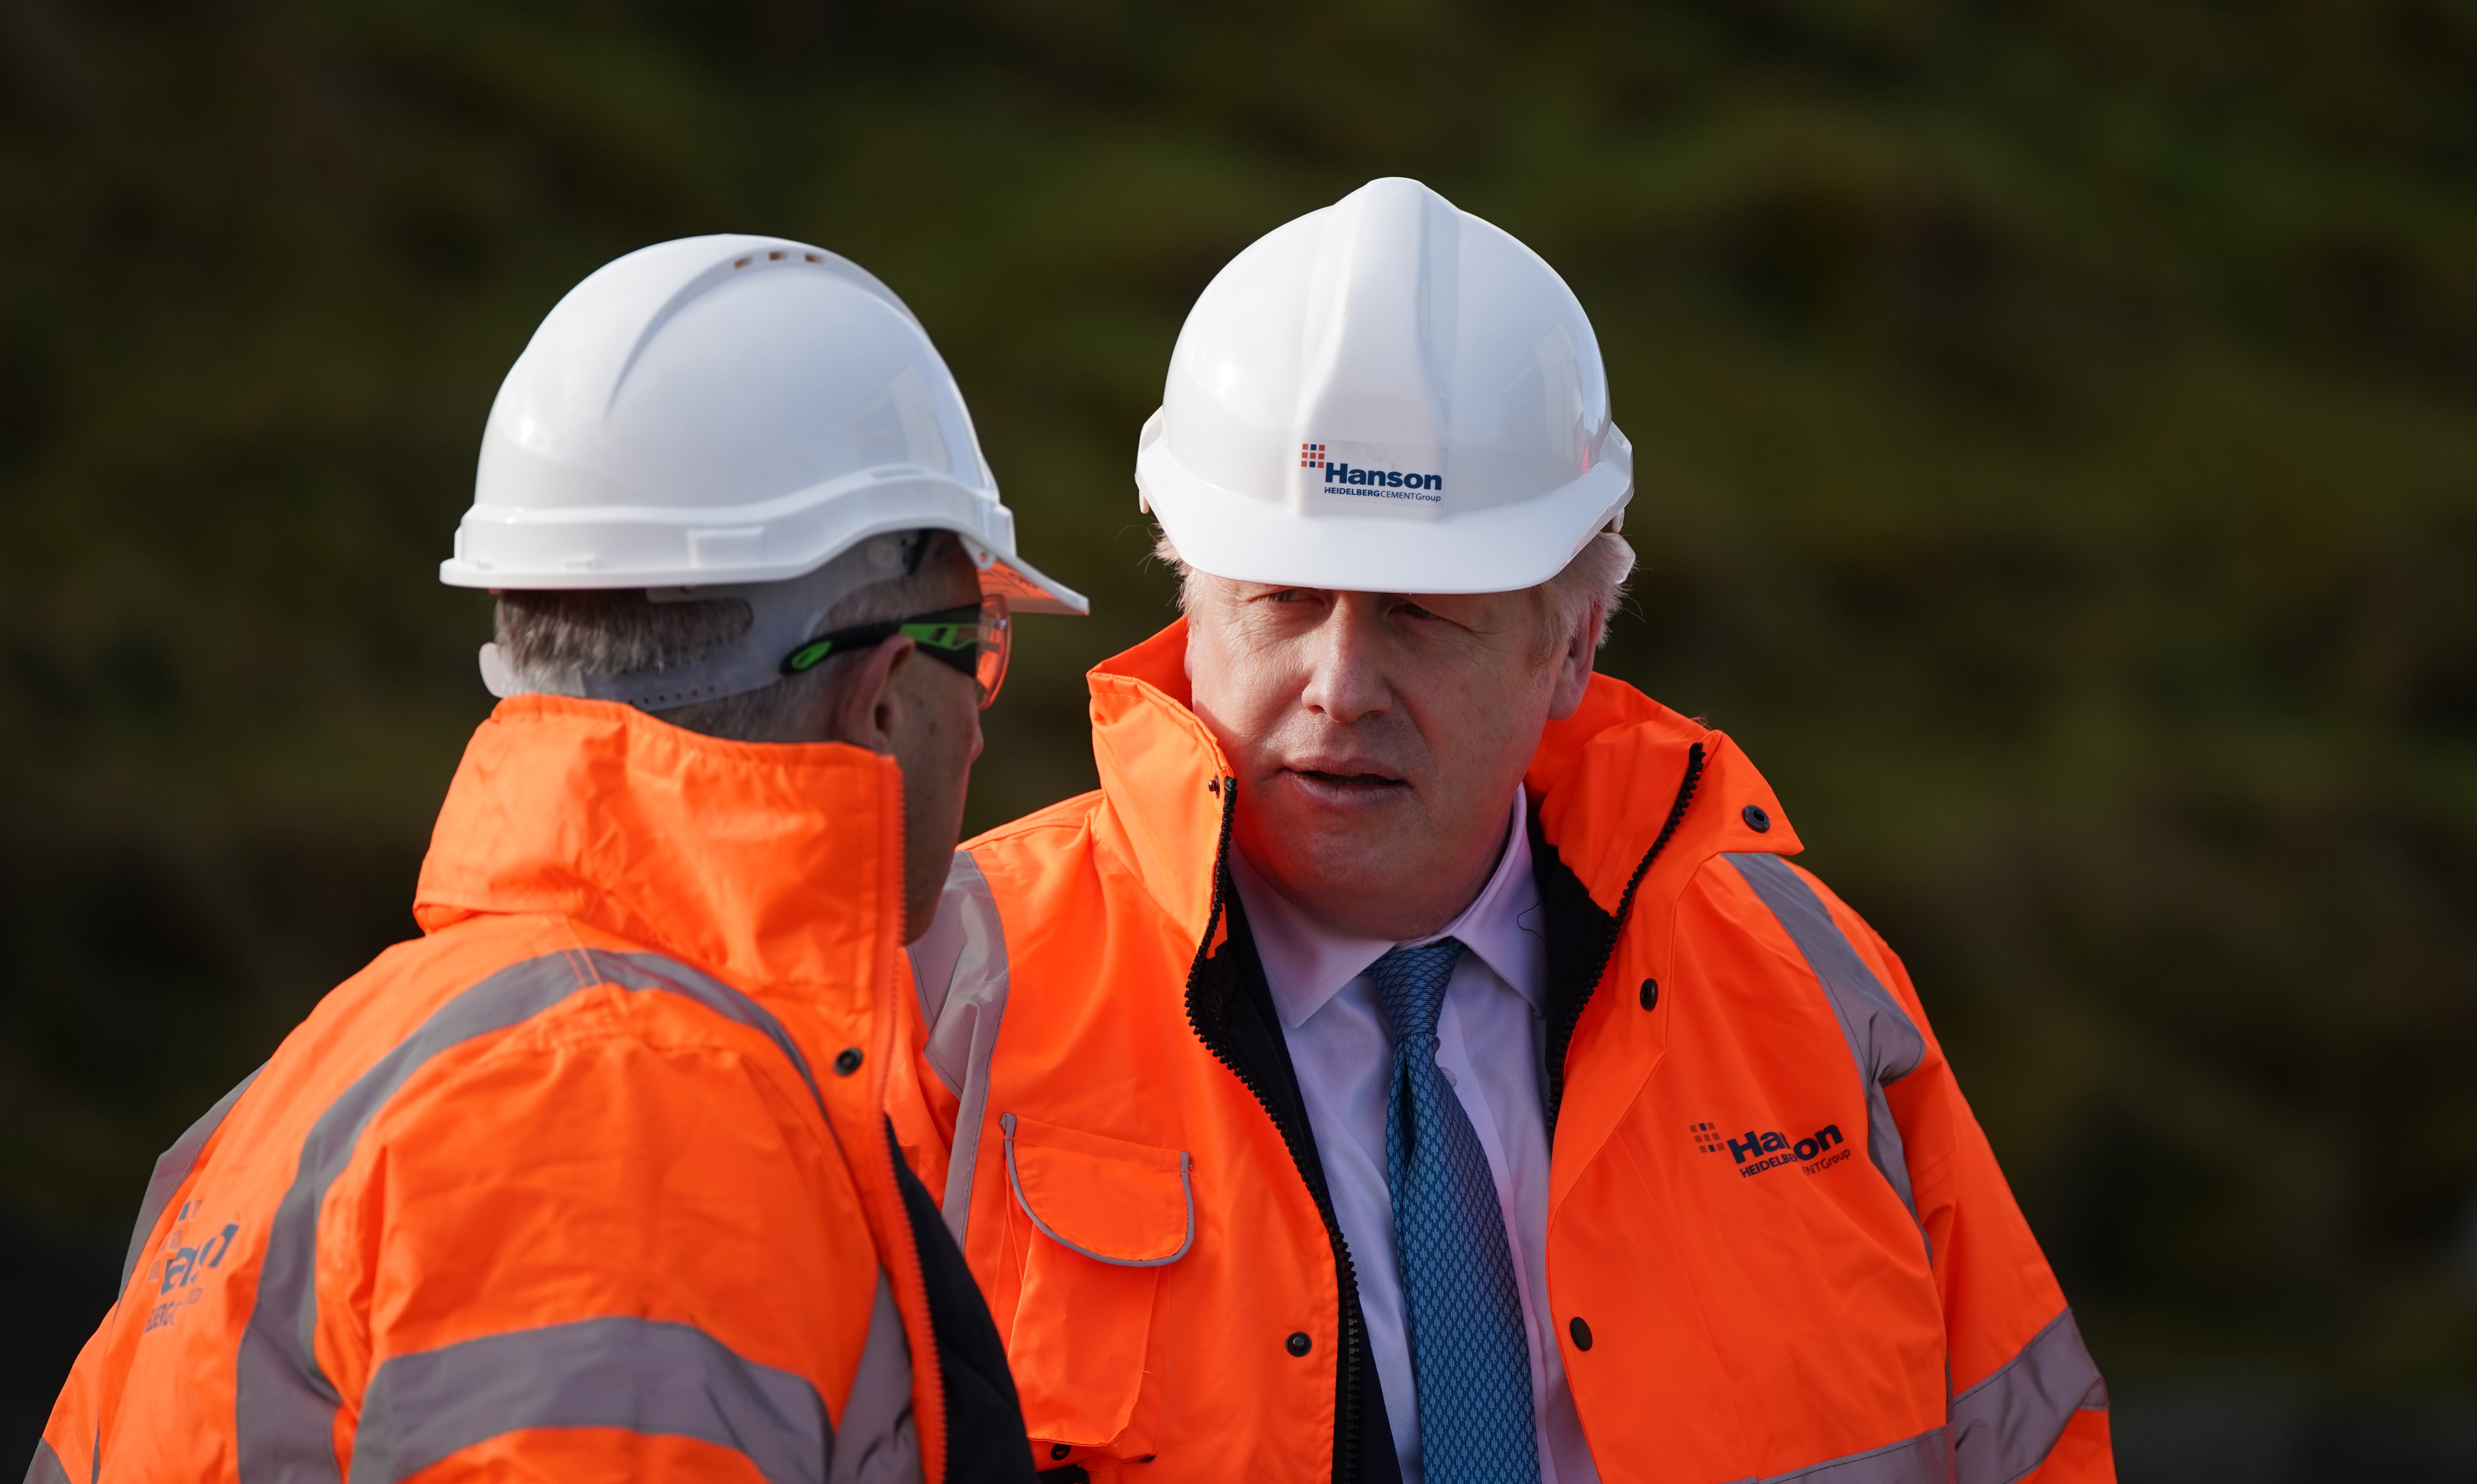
{"x": 1095, "y": 1220}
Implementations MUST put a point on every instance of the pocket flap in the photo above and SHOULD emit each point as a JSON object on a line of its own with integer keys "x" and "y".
{"x": 1126, "y": 1204}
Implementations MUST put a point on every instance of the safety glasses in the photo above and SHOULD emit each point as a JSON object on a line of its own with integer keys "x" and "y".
{"x": 974, "y": 639}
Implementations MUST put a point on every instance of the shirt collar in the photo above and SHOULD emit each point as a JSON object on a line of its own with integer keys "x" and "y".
{"x": 1306, "y": 964}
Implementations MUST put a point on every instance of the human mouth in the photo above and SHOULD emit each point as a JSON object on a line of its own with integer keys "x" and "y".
{"x": 1346, "y": 787}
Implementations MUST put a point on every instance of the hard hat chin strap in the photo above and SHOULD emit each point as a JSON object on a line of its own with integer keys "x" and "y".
{"x": 781, "y": 616}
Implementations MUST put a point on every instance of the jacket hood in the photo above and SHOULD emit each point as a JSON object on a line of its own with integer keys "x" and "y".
{"x": 767, "y": 864}
{"x": 1605, "y": 781}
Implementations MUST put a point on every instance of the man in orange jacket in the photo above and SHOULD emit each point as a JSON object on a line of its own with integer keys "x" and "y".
{"x": 1419, "y": 1059}
{"x": 592, "y": 1180}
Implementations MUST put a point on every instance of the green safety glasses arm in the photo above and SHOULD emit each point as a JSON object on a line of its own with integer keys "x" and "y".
{"x": 973, "y": 639}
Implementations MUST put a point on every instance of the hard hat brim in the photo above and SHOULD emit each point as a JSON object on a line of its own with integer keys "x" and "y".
{"x": 1502, "y": 549}
{"x": 644, "y": 546}
{"x": 1024, "y": 587}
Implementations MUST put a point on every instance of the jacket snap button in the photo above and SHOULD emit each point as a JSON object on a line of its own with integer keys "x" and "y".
{"x": 1058, "y": 1451}
{"x": 1755, "y": 819}
{"x": 1581, "y": 1332}
{"x": 848, "y": 1062}
{"x": 1650, "y": 993}
{"x": 1300, "y": 1343}
{"x": 1212, "y": 786}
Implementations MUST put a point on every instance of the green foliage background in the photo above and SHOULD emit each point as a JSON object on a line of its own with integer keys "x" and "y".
{"x": 2058, "y": 471}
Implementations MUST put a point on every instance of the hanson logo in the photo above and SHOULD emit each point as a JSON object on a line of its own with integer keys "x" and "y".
{"x": 183, "y": 1267}
{"x": 1341, "y": 478}
{"x": 1758, "y": 1151}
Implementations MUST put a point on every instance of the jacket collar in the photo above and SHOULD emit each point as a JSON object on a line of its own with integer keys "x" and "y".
{"x": 773, "y": 866}
{"x": 1604, "y": 783}
{"x": 1168, "y": 785}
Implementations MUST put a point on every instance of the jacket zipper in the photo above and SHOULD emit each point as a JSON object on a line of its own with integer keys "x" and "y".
{"x": 1354, "y": 1340}
{"x": 1562, "y": 1040}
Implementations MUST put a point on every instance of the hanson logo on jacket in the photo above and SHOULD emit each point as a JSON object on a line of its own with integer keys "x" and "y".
{"x": 1757, "y": 1151}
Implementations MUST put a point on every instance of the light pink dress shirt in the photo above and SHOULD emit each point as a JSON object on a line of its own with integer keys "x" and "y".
{"x": 1494, "y": 1032}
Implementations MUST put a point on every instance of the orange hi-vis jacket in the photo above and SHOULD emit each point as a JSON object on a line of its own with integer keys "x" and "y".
{"x": 592, "y": 1181}
{"x": 1778, "y": 1245}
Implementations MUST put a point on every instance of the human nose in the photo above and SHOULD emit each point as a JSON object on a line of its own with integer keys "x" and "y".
{"x": 1345, "y": 679}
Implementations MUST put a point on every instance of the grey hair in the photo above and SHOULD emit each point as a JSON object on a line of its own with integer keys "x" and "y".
{"x": 618, "y": 631}
{"x": 1594, "y": 578}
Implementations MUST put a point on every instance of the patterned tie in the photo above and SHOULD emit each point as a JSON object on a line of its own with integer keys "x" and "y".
{"x": 1458, "y": 1300}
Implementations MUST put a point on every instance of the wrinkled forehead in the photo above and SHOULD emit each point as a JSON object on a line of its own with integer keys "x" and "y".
{"x": 1213, "y": 600}
{"x": 1196, "y": 583}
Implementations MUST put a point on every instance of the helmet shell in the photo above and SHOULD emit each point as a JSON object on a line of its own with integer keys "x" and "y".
{"x": 727, "y": 410}
{"x": 1388, "y": 394}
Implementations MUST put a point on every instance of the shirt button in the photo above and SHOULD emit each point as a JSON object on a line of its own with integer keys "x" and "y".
{"x": 1451, "y": 1080}
{"x": 1300, "y": 1343}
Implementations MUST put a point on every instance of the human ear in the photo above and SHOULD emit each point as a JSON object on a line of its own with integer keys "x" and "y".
{"x": 1574, "y": 664}
{"x": 864, "y": 708}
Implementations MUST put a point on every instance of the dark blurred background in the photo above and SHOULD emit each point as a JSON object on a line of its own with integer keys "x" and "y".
{"x": 2058, "y": 470}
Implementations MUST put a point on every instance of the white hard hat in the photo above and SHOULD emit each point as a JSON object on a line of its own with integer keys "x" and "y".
{"x": 1388, "y": 395}
{"x": 724, "y": 410}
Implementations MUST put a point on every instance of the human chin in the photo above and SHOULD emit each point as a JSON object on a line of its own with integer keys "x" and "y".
{"x": 1322, "y": 855}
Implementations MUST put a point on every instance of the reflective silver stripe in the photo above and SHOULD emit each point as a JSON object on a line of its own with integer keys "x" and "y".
{"x": 877, "y": 1442}
{"x": 653, "y": 971}
{"x": 642, "y": 1376}
{"x": 959, "y": 966}
{"x": 46, "y": 1468}
{"x": 171, "y": 1168}
{"x": 1925, "y": 1459}
{"x": 1186, "y": 1186}
{"x": 2007, "y": 1425}
{"x": 1883, "y": 1039}
{"x": 284, "y": 1406}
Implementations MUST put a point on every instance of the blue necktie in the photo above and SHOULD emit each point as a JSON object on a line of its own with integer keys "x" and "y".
{"x": 1458, "y": 1300}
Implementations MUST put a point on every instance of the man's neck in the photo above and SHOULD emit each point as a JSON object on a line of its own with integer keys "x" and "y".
{"x": 1355, "y": 915}
{"x": 1307, "y": 959}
